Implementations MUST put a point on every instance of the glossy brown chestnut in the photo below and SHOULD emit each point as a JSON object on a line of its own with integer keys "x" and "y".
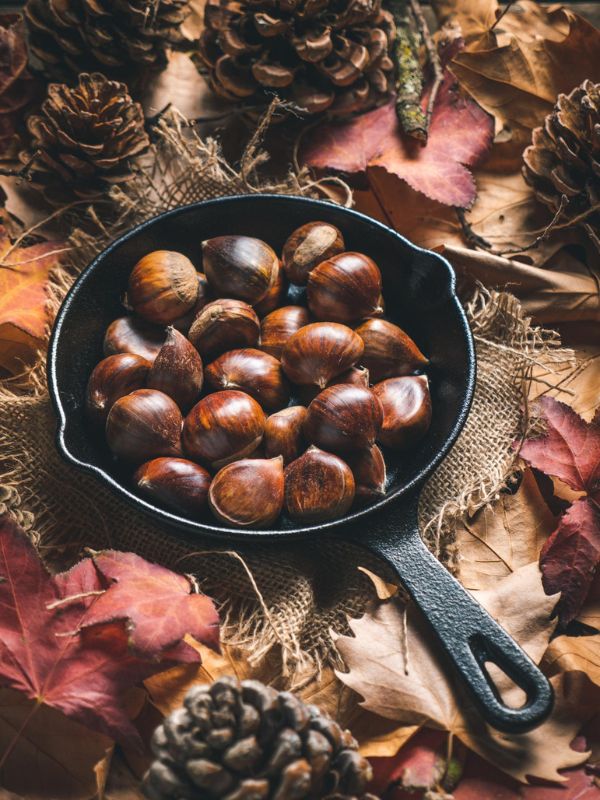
{"x": 308, "y": 246}
{"x": 183, "y": 324}
{"x": 283, "y": 433}
{"x": 112, "y": 378}
{"x": 162, "y": 286}
{"x": 318, "y": 352}
{"x": 389, "y": 351}
{"x": 343, "y": 418}
{"x": 318, "y": 486}
{"x": 133, "y": 335}
{"x": 223, "y": 427}
{"x": 143, "y": 425}
{"x": 406, "y": 406}
{"x": 277, "y": 327}
{"x": 224, "y": 325}
{"x": 345, "y": 288}
{"x": 177, "y": 370}
{"x": 239, "y": 266}
{"x": 248, "y": 493}
{"x": 251, "y": 371}
{"x": 176, "y": 483}
{"x": 368, "y": 468}
{"x": 275, "y": 297}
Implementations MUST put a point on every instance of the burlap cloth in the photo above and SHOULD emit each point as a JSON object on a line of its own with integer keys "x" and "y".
{"x": 289, "y": 595}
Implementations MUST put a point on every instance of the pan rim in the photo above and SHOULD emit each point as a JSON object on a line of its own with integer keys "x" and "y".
{"x": 187, "y": 527}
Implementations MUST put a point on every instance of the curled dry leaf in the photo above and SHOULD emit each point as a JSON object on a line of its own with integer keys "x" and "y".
{"x": 55, "y": 652}
{"x": 570, "y": 653}
{"x": 377, "y": 665}
{"x": 569, "y": 450}
{"x": 460, "y": 134}
{"x": 516, "y": 74}
{"x": 505, "y": 536}
{"x": 24, "y": 317}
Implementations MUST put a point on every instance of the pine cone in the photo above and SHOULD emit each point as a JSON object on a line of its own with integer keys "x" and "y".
{"x": 564, "y": 159}
{"x": 121, "y": 38}
{"x": 17, "y": 87}
{"x": 246, "y": 741}
{"x": 319, "y": 54}
{"x": 85, "y": 138}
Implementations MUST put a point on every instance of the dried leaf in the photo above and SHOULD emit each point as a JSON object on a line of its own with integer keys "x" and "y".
{"x": 376, "y": 662}
{"x": 69, "y": 759}
{"x": 504, "y": 536}
{"x": 459, "y": 135}
{"x": 517, "y": 71}
{"x": 47, "y": 651}
{"x": 161, "y": 606}
{"x": 24, "y": 276}
{"x": 570, "y": 653}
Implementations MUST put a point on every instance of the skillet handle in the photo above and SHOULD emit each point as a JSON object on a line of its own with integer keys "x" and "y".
{"x": 468, "y": 634}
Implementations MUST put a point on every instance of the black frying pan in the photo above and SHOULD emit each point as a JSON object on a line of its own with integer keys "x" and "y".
{"x": 419, "y": 295}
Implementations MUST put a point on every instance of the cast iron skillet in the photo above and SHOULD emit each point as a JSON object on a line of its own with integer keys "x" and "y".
{"x": 419, "y": 294}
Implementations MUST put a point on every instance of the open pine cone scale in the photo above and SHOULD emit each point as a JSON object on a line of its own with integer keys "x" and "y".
{"x": 318, "y": 55}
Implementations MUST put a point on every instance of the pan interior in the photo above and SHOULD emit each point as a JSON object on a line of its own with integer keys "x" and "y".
{"x": 418, "y": 293}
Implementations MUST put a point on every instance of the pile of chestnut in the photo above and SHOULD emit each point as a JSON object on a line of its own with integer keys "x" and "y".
{"x": 220, "y": 394}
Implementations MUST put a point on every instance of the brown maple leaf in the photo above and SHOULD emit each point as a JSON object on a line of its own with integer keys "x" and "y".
{"x": 460, "y": 134}
{"x": 570, "y": 450}
{"x": 50, "y": 653}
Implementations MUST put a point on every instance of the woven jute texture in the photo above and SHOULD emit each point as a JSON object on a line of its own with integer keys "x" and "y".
{"x": 272, "y": 595}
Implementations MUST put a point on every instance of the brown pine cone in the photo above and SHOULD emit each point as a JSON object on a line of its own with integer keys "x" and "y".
{"x": 121, "y": 38}
{"x": 563, "y": 160}
{"x": 318, "y": 54}
{"x": 246, "y": 741}
{"x": 85, "y": 139}
{"x": 17, "y": 87}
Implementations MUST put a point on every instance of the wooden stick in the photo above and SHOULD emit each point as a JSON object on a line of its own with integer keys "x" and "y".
{"x": 433, "y": 56}
{"x": 409, "y": 76}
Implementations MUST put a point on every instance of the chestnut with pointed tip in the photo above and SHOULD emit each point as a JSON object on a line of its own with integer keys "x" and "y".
{"x": 251, "y": 371}
{"x": 406, "y": 404}
{"x": 389, "y": 351}
{"x": 345, "y": 288}
{"x": 223, "y": 427}
{"x": 307, "y": 246}
{"x": 357, "y": 376}
{"x": 283, "y": 433}
{"x": 163, "y": 286}
{"x": 275, "y": 296}
{"x": 143, "y": 425}
{"x": 112, "y": 378}
{"x": 176, "y": 483}
{"x": 248, "y": 493}
{"x": 318, "y": 352}
{"x": 369, "y": 470}
{"x": 277, "y": 327}
{"x": 224, "y": 325}
{"x": 343, "y": 418}
{"x": 177, "y": 370}
{"x": 318, "y": 486}
{"x": 183, "y": 324}
{"x": 241, "y": 267}
{"x": 133, "y": 335}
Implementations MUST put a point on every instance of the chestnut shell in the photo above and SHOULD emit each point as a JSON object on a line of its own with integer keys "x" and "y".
{"x": 318, "y": 486}
{"x": 144, "y": 425}
{"x": 343, "y": 418}
{"x": 345, "y": 288}
{"x": 406, "y": 404}
{"x": 248, "y": 493}
{"x": 176, "y": 483}
{"x": 251, "y": 371}
{"x": 318, "y": 352}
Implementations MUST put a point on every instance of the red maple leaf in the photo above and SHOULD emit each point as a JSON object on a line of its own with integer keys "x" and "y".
{"x": 460, "y": 133}
{"x": 570, "y": 450}
{"x": 54, "y": 651}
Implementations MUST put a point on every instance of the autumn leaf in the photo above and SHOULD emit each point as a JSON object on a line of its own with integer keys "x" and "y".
{"x": 569, "y": 450}
{"x": 504, "y": 536}
{"x": 50, "y": 654}
{"x": 516, "y": 72}
{"x": 460, "y": 134}
{"x": 24, "y": 320}
{"x": 376, "y": 661}
{"x": 568, "y": 653}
